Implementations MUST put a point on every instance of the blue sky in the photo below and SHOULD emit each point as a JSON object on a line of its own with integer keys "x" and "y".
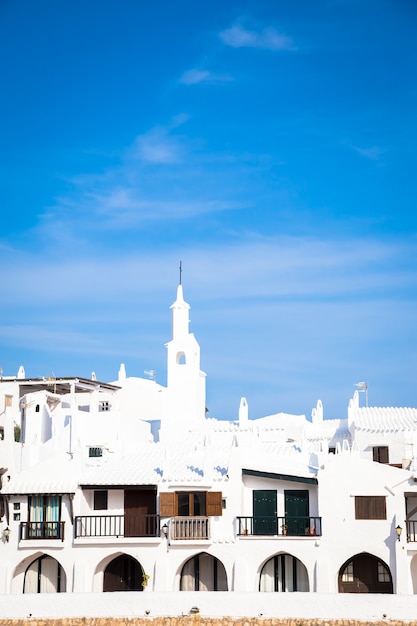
{"x": 268, "y": 145}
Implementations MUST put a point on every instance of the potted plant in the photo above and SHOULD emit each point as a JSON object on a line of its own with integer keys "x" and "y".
{"x": 284, "y": 529}
{"x": 145, "y": 578}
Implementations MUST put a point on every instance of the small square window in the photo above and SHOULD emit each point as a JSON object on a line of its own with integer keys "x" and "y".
{"x": 380, "y": 454}
{"x": 101, "y": 500}
{"x": 95, "y": 452}
{"x": 16, "y": 517}
{"x": 16, "y": 506}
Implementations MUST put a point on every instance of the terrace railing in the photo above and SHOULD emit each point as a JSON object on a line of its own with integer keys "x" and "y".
{"x": 411, "y": 527}
{"x": 41, "y": 530}
{"x": 189, "y": 528}
{"x": 293, "y": 526}
{"x": 116, "y": 526}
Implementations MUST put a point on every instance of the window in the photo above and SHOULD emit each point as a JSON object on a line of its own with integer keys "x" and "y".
{"x": 16, "y": 513}
{"x": 190, "y": 503}
{"x": 104, "y": 405}
{"x": 383, "y": 574}
{"x": 44, "y": 516}
{"x": 347, "y": 576}
{"x": 380, "y": 454}
{"x": 45, "y": 575}
{"x": 332, "y": 450}
{"x": 283, "y": 573}
{"x": 101, "y": 500}
{"x": 370, "y": 507}
{"x": 95, "y": 452}
{"x": 203, "y": 572}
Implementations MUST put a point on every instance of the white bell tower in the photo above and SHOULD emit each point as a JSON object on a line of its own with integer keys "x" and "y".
{"x": 185, "y": 396}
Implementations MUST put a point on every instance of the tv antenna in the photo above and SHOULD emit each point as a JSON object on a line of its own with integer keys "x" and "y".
{"x": 363, "y": 388}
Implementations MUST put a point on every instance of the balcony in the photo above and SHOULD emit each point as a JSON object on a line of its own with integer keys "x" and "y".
{"x": 411, "y": 527}
{"x": 189, "y": 528}
{"x": 116, "y": 526}
{"x": 291, "y": 526}
{"x": 41, "y": 530}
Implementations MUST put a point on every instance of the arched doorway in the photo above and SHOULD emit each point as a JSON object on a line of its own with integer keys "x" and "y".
{"x": 284, "y": 572}
{"x": 124, "y": 573}
{"x": 365, "y": 573}
{"x": 203, "y": 572}
{"x": 44, "y": 575}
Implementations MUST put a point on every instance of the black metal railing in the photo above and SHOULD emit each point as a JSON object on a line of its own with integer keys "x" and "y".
{"x": 117, "y": 526}
{"x": 411, "y": 528}
{"x": 42, "y": 530}
{"x": 292, "y": 526}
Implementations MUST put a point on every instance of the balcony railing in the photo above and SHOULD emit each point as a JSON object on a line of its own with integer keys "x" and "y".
{"x": 42, "y": 530}
{"x": 189, "y": 528}
{"x": 117, "y": 526}
{"x": 411, "y": 527}
{"x": 293, "y": 526}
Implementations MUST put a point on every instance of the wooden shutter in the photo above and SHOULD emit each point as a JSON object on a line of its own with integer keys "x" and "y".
{"x": 380, "y": 454}
{"x": 167, "y": 504}
{"x": 214, "y": 503}
{"x": 370, "y": 507}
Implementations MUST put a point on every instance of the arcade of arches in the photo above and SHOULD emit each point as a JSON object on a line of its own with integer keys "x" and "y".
{"x": 362, "y": 573}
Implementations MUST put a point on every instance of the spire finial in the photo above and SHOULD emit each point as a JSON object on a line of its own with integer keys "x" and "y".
{"x": 180, "y": 271}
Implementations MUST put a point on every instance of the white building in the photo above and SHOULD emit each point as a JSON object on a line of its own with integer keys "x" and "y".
{"x": 128, "y": 486}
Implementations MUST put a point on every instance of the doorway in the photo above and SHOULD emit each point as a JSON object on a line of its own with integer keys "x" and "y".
{"x": 365, "y": 573}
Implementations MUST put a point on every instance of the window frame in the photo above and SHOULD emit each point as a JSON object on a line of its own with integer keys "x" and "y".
{"x": 168, "y": 503}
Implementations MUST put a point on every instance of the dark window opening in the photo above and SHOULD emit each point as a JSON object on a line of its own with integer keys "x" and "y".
{"x": 380, "y": 454}
{"x": 100, "y": 500}
{"x": 95, "y": 452}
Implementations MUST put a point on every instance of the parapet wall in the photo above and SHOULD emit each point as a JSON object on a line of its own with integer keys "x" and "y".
{"x": 207, "y": 609}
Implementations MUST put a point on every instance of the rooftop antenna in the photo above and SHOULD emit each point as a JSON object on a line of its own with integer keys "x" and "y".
{"x": 363, "y": 388}
{"x": 180, "y": 271}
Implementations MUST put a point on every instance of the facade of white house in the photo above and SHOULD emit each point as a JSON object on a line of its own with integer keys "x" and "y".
{"x": 128, "y": 486}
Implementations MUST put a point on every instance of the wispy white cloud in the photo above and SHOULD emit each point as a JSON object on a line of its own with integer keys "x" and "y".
{"x": 158, "y": 146}
{"x": 374, "y": 153}
{"x": 278, "y": 310}
{"x": 237, "y": 36}
{"x": 196, "y": 76}
{"x": 252, "y": 268}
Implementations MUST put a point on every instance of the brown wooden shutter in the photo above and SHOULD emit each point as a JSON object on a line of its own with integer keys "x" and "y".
{"x": 383, "y": 454}
{"x": 167, "y": 502}
{"x": 380, "y": 454}
{"x": 378, "y": 508}
{"x": 370, "y": 507}
{"x": 214, "y": 503}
